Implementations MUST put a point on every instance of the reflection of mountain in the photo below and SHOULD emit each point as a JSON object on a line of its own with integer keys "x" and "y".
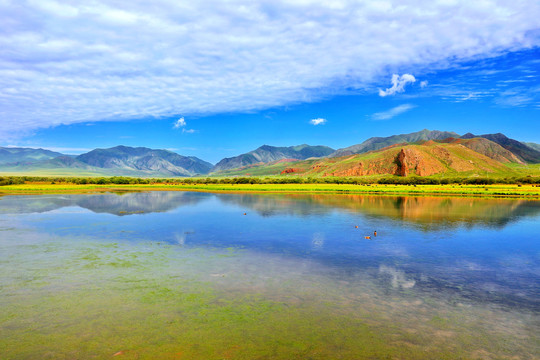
{"x": 427, "y": 212}
{"x": 277, "y": 204}
{"x": 117, "y": 204}
{"x": 434, "y": 212}
{"x": 34, "y": 204}
{"x": 145, "y": 202}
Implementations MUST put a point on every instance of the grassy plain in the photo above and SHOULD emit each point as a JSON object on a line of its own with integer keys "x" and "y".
{"x": 529, "y": 191}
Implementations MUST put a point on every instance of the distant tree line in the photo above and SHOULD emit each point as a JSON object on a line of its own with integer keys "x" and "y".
{"x": 390, "y": 180}
{"x": 11, "y": 180}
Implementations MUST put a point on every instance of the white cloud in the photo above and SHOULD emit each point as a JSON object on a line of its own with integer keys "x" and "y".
{"x": 423, "y": 84}
{"x": 318, "y": 121}
{"x": 179, "y": 123}
{"x": 398, "y": 84}
{"x": 469, "y": 96}
{"x": 65, "y": 62}
{"x": 516, "y": 97}
{"x": 395, "y": 111}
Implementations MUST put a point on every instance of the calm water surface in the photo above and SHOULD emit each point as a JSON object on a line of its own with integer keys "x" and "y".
{"x": 180, "y": 275}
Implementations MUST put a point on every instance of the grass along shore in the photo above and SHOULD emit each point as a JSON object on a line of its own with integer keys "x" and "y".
{"x": 529, "y": 191}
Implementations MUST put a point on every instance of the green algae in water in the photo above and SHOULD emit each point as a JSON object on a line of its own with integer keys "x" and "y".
{"x": 164, "y": 303}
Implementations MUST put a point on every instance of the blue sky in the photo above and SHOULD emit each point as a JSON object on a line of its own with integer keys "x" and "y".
{"x": 75, "y": 76}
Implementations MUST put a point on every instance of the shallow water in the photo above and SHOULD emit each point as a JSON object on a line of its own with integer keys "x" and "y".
{"x": 180, "y": 275}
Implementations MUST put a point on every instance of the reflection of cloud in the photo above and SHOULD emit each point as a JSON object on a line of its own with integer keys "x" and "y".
{"x": 180, "y": 238}
{"x": 318, "y": 241}
{"x": 398, "y": 277}
{"x": 469, "y": 265}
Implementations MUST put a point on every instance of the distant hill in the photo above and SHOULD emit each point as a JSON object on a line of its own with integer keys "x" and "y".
{"x": 521, "y": 150}
{"x": 25, "y": 155}
{"x": 532, "y": 145}
{"x": 267, "y": 153}
{"x": 146, "y": 160}
{"x": 119, "y": 160}
{"x": 376, "y": 143}
{"x": 486, "y": 147}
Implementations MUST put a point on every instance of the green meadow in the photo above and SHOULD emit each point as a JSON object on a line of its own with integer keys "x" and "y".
{"x": 531, "y": 191}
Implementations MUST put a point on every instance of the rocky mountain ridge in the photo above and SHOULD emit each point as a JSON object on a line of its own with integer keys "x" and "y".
{"x": 267, "y": 153}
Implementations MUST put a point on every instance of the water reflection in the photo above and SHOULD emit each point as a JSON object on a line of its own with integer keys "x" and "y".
{"x": 426, "y": 212}
{"x": 121, "y": 204}
{"x": 464, "y": 247}
{"x": 398, "y": 278}
{"x": 435, "y": 264}
{"x": 429, "y": 212}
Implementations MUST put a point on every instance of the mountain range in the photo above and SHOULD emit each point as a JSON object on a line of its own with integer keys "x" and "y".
{"x": 119, "y": 160}
{"x": 422, "y": 153}
{"x": 15, "y": 154}
{"x": 377, "y": 143}
{"x": 267, "y": 153}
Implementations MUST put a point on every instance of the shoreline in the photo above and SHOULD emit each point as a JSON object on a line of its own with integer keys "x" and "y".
{"x": 529, "y": 192}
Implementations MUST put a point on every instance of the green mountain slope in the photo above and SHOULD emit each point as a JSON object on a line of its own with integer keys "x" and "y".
{"x": 431, "y": 158}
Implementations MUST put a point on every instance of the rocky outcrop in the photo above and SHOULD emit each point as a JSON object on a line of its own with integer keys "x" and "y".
{"x": 289, "y": 170}
{"x": 411, "y": 161}
{"x": 402, "y": 165}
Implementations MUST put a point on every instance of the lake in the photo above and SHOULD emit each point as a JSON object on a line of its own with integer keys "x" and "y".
{"x": 192, "y": 275}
